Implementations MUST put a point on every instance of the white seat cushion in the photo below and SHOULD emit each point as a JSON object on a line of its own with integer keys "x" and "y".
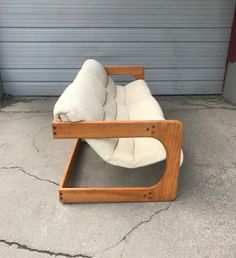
{"x": 93, "y": 95}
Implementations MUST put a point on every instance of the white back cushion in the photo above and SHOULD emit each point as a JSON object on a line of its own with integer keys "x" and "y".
{"x": 96, "y": 68}
{"x": 85, "y": 97}
{"x": 75, "y": 105}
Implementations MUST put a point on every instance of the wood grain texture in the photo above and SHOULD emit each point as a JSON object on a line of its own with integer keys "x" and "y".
{"x": 169, "y": 132}
{"x": 66, "y": 176}
{"x": 136, "y": 71}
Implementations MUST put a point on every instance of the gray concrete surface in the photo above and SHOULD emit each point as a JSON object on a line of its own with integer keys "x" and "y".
{"x": 200, "y": 223}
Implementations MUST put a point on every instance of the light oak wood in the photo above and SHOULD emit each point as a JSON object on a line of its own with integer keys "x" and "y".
{"x": 169, "y": 132}
{"x": 69, "y": 166}
{"x": 136, "y": 71}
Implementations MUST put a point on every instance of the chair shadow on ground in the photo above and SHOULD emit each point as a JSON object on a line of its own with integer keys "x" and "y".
{"x": 89, "y": 170}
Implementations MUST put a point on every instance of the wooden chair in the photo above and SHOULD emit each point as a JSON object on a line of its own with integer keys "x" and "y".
{"x": 168, "y": 132}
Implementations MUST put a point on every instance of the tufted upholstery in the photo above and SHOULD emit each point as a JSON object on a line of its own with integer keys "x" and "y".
{"x": 93, "y": 95}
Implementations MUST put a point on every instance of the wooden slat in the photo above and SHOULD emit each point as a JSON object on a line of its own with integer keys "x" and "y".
{"x": 135, "y": 71}
{"x": 110, "y": 129}
{"x": 66, "y": 176}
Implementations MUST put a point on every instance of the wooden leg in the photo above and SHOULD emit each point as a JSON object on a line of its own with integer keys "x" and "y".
{"x": 164, "y": 190}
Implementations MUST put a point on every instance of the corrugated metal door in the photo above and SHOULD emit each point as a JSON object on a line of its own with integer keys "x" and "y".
{"x": 182, "y": 44}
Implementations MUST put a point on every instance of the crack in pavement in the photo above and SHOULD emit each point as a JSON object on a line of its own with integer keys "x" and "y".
{"x": 124, "y": 238}
{"x": 122, "y": 251}
{"x": 52, "y": 253}
{"x": 21, "y": 169}
{"x": 34, "y": 138}
{"x": 25, "y": 247}
{"x": 34, "y": 144}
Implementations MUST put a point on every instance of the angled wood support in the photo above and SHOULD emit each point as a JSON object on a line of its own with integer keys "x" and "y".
{"x": 169, "y": 132}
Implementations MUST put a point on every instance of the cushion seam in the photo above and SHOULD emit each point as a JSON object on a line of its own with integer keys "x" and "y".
{"x": 129, "y": 120}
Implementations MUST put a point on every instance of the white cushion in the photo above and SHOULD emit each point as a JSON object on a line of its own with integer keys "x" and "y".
{"x": 93, "y": 95}
{"x": 75, "y": 104}
{"x": 110, "y": 105}
{"x": 122, "y": 109}
{"x": 110, "y": 108}
{"x": 111, "y": 87}
{"x": 137, "y": 91}
{"x": 85, "y": 97}
{"x": 96, "y": 68}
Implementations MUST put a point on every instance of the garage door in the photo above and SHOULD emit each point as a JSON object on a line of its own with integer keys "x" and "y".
{"x": 182, "y": 44}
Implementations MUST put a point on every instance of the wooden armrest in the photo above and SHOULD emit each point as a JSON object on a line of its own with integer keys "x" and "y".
{"x": 136, "y": 71}
{"x": 166, "y": 131}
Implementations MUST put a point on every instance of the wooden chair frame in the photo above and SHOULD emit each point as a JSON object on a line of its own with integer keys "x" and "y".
{"x": 169, "y": 132}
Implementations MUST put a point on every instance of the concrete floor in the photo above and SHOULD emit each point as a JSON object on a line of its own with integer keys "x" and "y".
{"x": 200, "y": 223}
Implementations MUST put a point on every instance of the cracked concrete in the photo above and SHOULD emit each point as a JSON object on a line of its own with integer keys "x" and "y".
{"x": 125, "y": 237}
{"x": 200, "y": 223}
{"x": 28, "y": 174}
{"x": 24, "y": 247}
